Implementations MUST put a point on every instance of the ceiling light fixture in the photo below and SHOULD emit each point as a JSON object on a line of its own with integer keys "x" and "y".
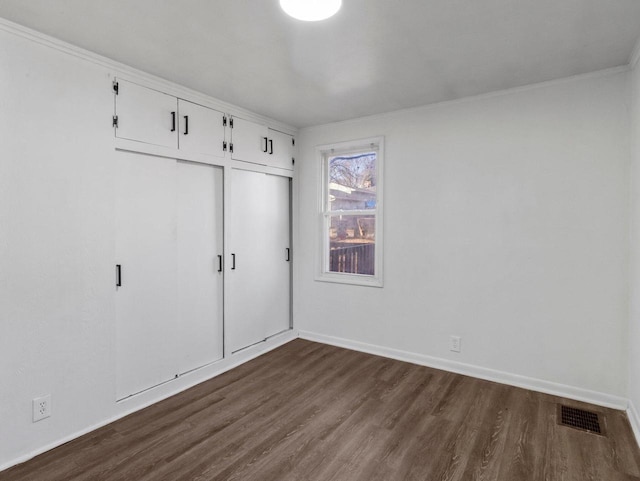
{"x": 311, "y": 10}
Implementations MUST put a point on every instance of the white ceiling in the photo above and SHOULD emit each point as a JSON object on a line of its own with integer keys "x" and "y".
{"x": 374, "y": 56}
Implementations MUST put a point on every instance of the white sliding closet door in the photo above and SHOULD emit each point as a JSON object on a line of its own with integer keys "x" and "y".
{"x": 199, "y": 267}
{"x": 168, "y": 242}
{"x": 277, "y": 262}
{"x": 259, "y": 273}
{"x": 146, "y": 304}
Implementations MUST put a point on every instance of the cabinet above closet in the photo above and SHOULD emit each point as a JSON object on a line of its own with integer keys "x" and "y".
{"x": 152, "y": 117}
{"x": 259, "y": 144}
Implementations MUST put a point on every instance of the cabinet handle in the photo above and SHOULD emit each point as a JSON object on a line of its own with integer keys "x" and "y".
{"x": 219, "y": 263}
{"x": 186, "y": 125}
{"x": 270, "y": 146}
{"x": 118, "y": 275}
{"x": 288, "y": 254}
{"x": 266, "y": 141}
{"x": 233, "y": 262}
{"x": 173, "y": 121}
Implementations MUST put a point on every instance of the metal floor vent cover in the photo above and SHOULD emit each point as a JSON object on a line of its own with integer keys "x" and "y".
{"x": 580, "y": 419}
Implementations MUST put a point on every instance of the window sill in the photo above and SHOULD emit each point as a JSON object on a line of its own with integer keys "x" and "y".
{"x": 350, "y": 279}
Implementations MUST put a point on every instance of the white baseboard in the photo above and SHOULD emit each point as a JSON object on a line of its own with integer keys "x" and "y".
{"x": 539, "y": 385}
{"x": 634, "y": 420}
{"x": 155, "y": 395}
{"x": 151, "y": 397}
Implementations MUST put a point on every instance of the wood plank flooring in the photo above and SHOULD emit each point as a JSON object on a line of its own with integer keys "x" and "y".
{"x": 308, "y": 411}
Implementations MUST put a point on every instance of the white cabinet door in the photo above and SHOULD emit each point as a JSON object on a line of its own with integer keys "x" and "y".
{"x": 199, "y": 267}
{"x": 146, "y": 251}
{"x": 146, "y": 115}
{"x": 201, "y": 129}
{"x": 280, "y": 150}
{"x": 259, "y": 273}
{"x": 250, "y": 141}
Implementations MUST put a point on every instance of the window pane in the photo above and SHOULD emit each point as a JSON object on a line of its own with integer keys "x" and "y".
{"x": 352, "y": 243}
{"x": 352, "y": 181}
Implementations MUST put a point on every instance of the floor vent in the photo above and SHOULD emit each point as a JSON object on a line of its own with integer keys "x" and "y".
{"x": 580, "y": 419}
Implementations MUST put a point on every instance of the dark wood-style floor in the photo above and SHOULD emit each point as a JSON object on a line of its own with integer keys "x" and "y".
{"x": 308, "y": 411}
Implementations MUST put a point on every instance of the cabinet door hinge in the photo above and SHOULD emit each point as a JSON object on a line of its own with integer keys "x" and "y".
{"x": 224, "y": 146}
{"x": 115, "y": 121}
{"x": 231, "y": 147}
{"x": 115, "y": 87}
{"x": 231, "y": 122}
{"x": 224, "y": 120}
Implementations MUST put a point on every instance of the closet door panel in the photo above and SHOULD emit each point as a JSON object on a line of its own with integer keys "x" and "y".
{"x": 146, "y": 250}
{"x": 248, "y": 224}
{"x": 146, "y": 115}
{"x": 259, "y": 287}
{"x": 200, "y": 283}
{"x": 277, "y": 311}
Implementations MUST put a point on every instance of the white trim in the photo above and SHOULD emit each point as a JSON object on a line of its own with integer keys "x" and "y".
{"x": 472, "y": 98}
{"x": 539, "y": 385}
{"x": 127, "y": 72}
{"x": 142, "y": 148}
{"x": 634, "y": 420}
{"x": 155, "y": 395}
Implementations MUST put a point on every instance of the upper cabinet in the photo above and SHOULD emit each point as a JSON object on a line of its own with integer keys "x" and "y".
{"x": 281, "y": 148}
{"x": 146, "y": 115}
{"x": 152, "y": 117}
{"x": 258, "y": 144}
{"x": 249, "y": 141}
{"x": 201, "y": 129}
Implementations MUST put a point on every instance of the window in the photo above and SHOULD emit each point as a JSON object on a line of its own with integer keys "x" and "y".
{"x": 351, "y": 212}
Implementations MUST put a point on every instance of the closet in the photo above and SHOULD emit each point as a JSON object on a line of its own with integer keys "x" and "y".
{"x": 169, "y": 281}
{"x": 187, "y": 177}
{"x": 260, "y": 258}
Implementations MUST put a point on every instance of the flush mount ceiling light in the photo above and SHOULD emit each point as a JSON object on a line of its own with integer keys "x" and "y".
{"x": 311, "y": 10}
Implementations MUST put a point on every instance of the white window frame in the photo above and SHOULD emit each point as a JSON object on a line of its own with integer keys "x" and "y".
{"x": 325, "y": 215}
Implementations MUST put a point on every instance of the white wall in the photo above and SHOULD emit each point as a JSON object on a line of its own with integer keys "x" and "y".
{"x": 634, "y": 312}
{"x": 57, "y": 246}
{"x": 56, "y": 243}
{"x": 506, "y": 222}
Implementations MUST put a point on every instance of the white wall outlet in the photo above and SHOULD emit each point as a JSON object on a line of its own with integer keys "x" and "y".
{"x": 41, "y": 407}
{"x": 454, "y": 343}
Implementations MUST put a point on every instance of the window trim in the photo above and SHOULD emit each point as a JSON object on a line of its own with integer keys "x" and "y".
{"x": 324, "y": 216}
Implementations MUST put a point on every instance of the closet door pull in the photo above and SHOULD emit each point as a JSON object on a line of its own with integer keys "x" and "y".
{"x": 288, "y": 254}
{"x": 173, "y": 121}
{"x": 186, "y": 125}
{"x": 270, "y": 146}
{"x": 233, "y": 262}
{"x": 118, "y": 275}
{"x": 266, "y": 141}
{"x": 219, "y": 263}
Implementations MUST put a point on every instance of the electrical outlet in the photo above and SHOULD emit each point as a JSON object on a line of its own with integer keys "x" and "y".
{"x": 41, "y": 407}
{"x": 454, "y": 343}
